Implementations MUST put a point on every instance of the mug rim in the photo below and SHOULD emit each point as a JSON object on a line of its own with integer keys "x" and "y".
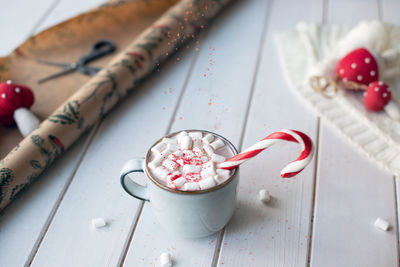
{"x": 176, "y": 191}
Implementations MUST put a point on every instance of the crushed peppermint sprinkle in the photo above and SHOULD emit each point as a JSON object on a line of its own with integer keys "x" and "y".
{"x": 187, "y": 161}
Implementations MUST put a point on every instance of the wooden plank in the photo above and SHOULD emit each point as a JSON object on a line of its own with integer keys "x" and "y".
{"x": 215, "y": 99}
{"x": 95, "y": 190}
{"x": 351, "y": 192}
{"x": 67, "y": 9}
{"x": 19, "y": 20}
{"x": 275, "y": 234}
{"x": 24, "y": 222}
{"x": 389, "y": 13}
{"x": 351, "y": 12}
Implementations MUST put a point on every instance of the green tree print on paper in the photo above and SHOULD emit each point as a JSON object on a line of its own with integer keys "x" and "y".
{"x": 15, "y": 190}
{"x": 35, "y": 164}
{"x": 57, "y": 148}
{"x": 69, "y": 114}
{"x": 6, "y": 177}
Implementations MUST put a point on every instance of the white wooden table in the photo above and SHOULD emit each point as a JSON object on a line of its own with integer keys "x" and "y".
{"x": 323, "y": 217}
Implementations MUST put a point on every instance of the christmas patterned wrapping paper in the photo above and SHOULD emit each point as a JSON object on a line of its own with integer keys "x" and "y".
{"x": 93, "y": 100}
{"x": 374, "y": 134}
{"x": 67, "y": 41}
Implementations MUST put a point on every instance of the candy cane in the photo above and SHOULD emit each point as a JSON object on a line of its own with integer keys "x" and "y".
{"x": 293, "y": 168}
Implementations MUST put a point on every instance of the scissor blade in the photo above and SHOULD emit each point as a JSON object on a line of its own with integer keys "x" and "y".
{"x": 58, "y": 74}
{"x": 64, "y": 65}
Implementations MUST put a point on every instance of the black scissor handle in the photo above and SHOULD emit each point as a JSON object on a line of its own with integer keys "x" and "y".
{"x": 99, "y": 49}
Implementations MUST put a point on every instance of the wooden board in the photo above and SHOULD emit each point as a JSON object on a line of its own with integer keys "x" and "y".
{"x": 351, "y": 192}
{"x": 276, "y": 234}
{"x": 232, "y": 85}
{"x": 216, "y": 95}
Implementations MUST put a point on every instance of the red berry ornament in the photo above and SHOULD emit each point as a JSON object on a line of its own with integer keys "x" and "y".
{"x": 358, "y": 66}
{"x": 377, "y": 96}
{"x": 15, "y": 101}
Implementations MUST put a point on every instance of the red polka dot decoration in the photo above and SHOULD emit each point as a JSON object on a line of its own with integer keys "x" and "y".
{"x": 359, "y": 66}
{"x": 377, "y": 96}
{"x": 12, "y": 97}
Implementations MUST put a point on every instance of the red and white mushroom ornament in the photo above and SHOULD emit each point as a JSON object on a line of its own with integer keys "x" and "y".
{"x": 357, "y": 69}
{"x": 377, "y": 96}
{"x": 15, "y": 101}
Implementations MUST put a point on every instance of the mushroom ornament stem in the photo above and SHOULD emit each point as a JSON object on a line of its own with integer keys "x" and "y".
{"x": 15, "y": 101}
{"x": 26, "y": 121}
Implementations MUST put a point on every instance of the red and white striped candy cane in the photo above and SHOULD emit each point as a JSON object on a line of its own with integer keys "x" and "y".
{"x": 293, "y": 168}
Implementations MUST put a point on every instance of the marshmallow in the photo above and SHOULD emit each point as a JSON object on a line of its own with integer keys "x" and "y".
{"x": 264, "y": 195}
{"x": 178, "y": 153}
{"x": 156, "y": 161}
{"x": 224, "y": 173}
{"x": 180, "y": 135}
{"x": 219, "y": 179}
{"x": 186, "y": 142}
{"x": 166, "y": 140}
{"x": 190, "y": 169}
{"x": 207, "y": 165}
{"x": 198, "y": 151}
{"x": 173, "y": 157}
{"x": 207, "y": 183}
{"x": 170, "y": 165}
{"x": 217, "y": 158}
{"x": 172, "y": 147}
{"x": 196, "y": 135}
{"x": 179, "y": 182}
{"x": 197, "y": 143}
{"x": 208, "y": 149}
{"x": 208, "y": 138}
{"x": 180, "y": 162}
{"x": 217, "y": 144}
{"x": 204, "y": 159}
{"x": 99, "y": 222}
{"x": 188, "y": 154}
{"x": 161, "y": 172}
{"x": 166, "y": 152}
{"x": 176, "y": 174}
{"x": 381, "y": 224}
{"x": 193, "y": 177}
{"x": 208, "y": 172}
{"x": 158, "y": 148}
{"x": 191, "y": 186}
{"x": 165, "y": 260}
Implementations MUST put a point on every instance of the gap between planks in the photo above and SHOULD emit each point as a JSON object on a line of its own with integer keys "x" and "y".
{"x": 314, "y": 191}
{"x": 325, "y": 5}
{"x": 269, "y": 8}
{"x": 173, "y": 114}
{"x": 53, "y": 211}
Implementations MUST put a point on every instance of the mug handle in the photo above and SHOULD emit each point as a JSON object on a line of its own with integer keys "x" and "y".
{"x": 132, "y": 188}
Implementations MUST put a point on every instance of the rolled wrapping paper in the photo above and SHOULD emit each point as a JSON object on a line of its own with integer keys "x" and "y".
{"x": 91, "y": 102}
{"x": 293, "y": 168}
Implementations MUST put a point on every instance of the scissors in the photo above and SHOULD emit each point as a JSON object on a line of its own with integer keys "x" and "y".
{"x": 99, "y": 49}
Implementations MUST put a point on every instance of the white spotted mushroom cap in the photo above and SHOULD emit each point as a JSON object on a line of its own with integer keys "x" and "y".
{"x": 359, "y": 66}
{"x": 377, "y": 96}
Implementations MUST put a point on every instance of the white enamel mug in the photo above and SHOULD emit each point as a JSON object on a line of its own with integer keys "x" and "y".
{"x": 189, "y": 214}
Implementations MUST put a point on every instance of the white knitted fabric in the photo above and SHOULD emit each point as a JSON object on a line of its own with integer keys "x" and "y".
{"x": 312, "y": 49}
